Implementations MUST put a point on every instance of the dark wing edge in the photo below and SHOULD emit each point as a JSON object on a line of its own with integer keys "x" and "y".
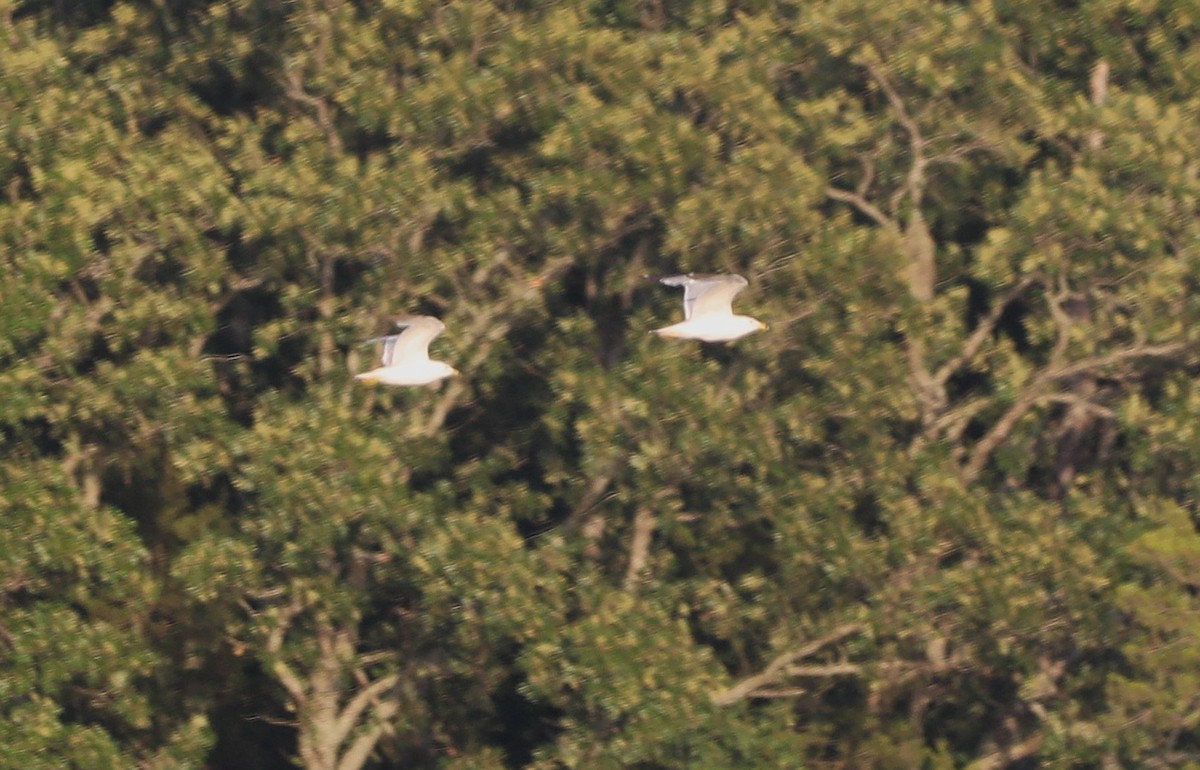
{"x": 389, "y": 344}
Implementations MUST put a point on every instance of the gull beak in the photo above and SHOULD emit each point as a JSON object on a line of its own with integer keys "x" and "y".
{"x": 454, "y": 372}
{"x": 367, "y": 378}
{"x": 763, "y": 326}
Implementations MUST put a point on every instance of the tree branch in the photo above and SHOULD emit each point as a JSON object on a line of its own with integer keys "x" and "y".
{"x": 1076, "y": 401}
{"x": 594, "y": 494}
{"x": 354, "y": 708}
{"x": 1054, "y": 371}
{"x": 778, "y": 692}
{"x": 864, "y": 206}
{"x": 283, "y": 621}
{"x": 982, "y": 332}
{"x": 919, "y": 245}
{"x": 893, "y": 97}
{"x": 291, "y": 682}
{"x": 930, "y": 394}
{"x": 639, "y": 546}
{"x": 488, "y": 330}
{"x": 915, "y": 183}
{"x": 360, "y": 751}
{"x": 287, "y": 675}
{"x": 950, "y": 425}
{"x": 1032, "y": 393}
{"x": 593, "y": 523}
{"x": 483, "y": 344}
{"x": 778, "y": 666}
{"x": 1009, "y": 755}
{"x": 999, "y": 432}
{"x": 1099, "y": 94}
{"x": 1099, "y": 363}
{"x": 820, "y": 672}
{"x": 1062, "y": 320}
{"x": 294, "y": 88}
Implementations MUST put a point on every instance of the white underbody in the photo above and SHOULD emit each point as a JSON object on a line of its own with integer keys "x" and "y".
{"x": 411, "y": 373}
{"x": 712, "y": 328}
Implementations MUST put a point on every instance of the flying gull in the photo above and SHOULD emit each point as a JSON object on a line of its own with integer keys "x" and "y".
{"x": 406, "y": 355}
{"x": 708, "y": 309}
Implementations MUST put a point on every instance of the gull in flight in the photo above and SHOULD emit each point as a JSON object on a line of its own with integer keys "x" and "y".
{"x": 406, "y": 355}
{"x": 708, "y": 309}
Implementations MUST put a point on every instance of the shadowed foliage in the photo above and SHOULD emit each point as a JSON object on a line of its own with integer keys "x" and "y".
{"x": 942, "y": 513}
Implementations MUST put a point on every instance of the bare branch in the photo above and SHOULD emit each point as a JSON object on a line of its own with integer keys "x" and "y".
{"x": 897, "y": 198}
{"x": 1009, "y": 755}
{"x": 930, "y": 394}
{"x": 593, "y": 521}
{"x": 820, "y": 672}
{"x": 864, "y": 206}
{"x": 868, "y": 175}
{"x": 484, "y": 335}
{"x": 1101, "y": 363}
{"x": 294, "y": 88}
{"x": 778, "y": 666}
{"x": 283, "y": 622}
{"x": 441, "y": 410}
{"x": 915, "y": 185}
{"x": 639, "y": 546}
{"x": 594, "y": 494}
{"x": 1077, "y": 401}
{"x": 778, "y": 692}
{"x": 982, "y": 332}
{"x": 999, "y": 432}
{"x": 920, "y": 248}
{"x": 360, "y": 751}
{"x": 893, "y": 97}
{"x": 958, "y": 154}
{"x": 1062, "y": 320}
{"x": 1035, "y": 391}
{"x": 919, "y": 245}
{"x": 291, "y": 682}
{"x": 1099, "y": 88}
{"x": 354, "y": 708}
{"x": 951, "y": 424}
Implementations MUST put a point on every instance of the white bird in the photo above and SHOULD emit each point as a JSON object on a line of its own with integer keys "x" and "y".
{"x": 708, "y": 309}
{"x": 406, "y": 355}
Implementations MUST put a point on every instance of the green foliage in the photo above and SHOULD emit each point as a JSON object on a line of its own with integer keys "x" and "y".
{"x": 941, "y": 514}
{"x": 1157, "y": 690}
{"x": 76, "y": 683}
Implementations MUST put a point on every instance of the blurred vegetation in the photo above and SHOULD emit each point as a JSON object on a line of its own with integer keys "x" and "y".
{"x": 942, "y": 514}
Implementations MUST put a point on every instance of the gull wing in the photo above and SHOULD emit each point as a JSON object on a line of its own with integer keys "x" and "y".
{"x": 412, "y": 344}
{"x": 389, "y": 345}
{"x": 706, "y": 294}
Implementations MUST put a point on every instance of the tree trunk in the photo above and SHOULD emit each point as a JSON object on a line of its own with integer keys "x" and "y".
{"x": 922, "y": 267}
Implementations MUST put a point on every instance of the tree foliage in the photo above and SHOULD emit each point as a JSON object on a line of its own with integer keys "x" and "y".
{"x": 941, "y": 514}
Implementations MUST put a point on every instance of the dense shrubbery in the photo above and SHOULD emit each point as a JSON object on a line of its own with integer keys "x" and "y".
{"x": 941, "y": 514}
